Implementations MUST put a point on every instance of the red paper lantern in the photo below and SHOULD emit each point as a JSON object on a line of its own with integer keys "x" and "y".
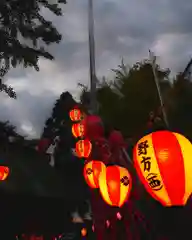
{"x": 4, "y": 172}
{"x": 92, "y": 171}
{"x": 163, "y": 163}
{"x": 83, "y": 232}
{"x": 83, "y": 148}
{"x": 75, "y": 115}
{"x": 115, "y": 185}
{"x": 78, "y": 130}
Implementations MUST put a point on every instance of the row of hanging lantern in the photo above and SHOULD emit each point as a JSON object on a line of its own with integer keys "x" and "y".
{"x": 163, "y": 163}
{"x": 162, "y": 160}
{"x": 114, "y": 182}
{"x": 83, "y": 146}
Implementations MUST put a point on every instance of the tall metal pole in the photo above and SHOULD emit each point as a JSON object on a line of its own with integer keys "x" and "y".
{"x": 93, "y": 83}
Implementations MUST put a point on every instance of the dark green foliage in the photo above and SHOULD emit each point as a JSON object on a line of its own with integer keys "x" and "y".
{"x": 69, "y": 166}
{"x": 6, "y": 127}
{"x": 21, "y": 21}
{"x": 128, "y": 108}
{"x": 59, "y": 124}
{"x": 60, "y": 114}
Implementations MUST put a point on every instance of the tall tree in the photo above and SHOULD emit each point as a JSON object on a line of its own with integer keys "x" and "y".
{"x": 141, "y": 97}
{"x": 67, "y": 164}
{"x": 60, "y": 114}
{"x": 181, "y": 104}
{"x": 125, "y": 101}
{"x": 59, "y": 124}
{"x": 22, "y": 20}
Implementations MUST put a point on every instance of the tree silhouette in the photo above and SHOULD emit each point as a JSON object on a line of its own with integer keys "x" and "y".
{"x": 22, "y": 22}
{"x": 126, "y": 100}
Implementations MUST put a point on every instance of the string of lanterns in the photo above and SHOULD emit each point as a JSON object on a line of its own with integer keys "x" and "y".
{"x": 83, "y": 146}
{"x": 162, "y": 161}
{"x": 114, "y": 182}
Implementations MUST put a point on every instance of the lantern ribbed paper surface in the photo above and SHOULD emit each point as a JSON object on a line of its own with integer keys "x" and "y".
{"x": 75, "y": 115}
{"x": 115, "y": 185}
{"x": 78, "y": 130}
{"x": 83, "y": 148}
{"x": 92, "y": 171}
{"x": 163, "y": 161}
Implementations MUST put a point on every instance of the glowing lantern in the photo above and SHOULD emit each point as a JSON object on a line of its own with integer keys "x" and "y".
{"x": 75, "y": 115}
{"x": 83, "y": 232}
{"x": 78, "y": 130}
{"x": 83, "y": 148}
{"x": 163, "y": 163}
{"x": 4, "y": 172}
{"x": 115, "y": 185}
{"x": 92, "y": 171}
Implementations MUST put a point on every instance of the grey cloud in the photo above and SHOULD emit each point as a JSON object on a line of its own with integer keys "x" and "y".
{"x": 28, "y": 110}
{"x": 122, "y": 29}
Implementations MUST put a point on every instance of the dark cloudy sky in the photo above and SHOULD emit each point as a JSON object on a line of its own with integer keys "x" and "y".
{"x": 123, "y": 28}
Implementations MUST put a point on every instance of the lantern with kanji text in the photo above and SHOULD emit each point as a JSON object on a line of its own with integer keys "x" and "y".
{"x": 75, "y": 115}
{"x": 92, "y": 171}
{"x": 163, "y": 162}
{"x": 115, "y": 185}
{"x": 4, "y": 172}
{"x": 78, "y": 130}
{"x": 83, "y": 148}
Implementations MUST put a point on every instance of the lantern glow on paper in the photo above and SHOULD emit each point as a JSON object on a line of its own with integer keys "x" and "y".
{"x": 75, "y": 115}
{"x": 4, "y": 172}
{"x": 83, "y": 232}
{"x": 83, "y": 148}
{"x": 163, "y": 163}
{"x": 78, "y": 130}
{"x": 115, "y": 185}
{"x": 92, "y": 171}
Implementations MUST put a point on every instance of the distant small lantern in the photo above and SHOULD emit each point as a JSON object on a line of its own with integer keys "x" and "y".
{"x": 4, "y": 172}
{"x": 83, "y": 148}
{"x": 115, "y": 185}
{"x": 92, "y": 171}
{"x": 75, "y": 115}
{"x": 163, "y": 162}
{"x": 78, "y": 130}
{"x": 83, "y": 232}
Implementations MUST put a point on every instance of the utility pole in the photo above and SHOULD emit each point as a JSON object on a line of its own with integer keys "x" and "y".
{"x": 93, "y": 79}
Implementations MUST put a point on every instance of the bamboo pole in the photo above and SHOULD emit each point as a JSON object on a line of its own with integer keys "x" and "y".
{"x": 153, "y": 65}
